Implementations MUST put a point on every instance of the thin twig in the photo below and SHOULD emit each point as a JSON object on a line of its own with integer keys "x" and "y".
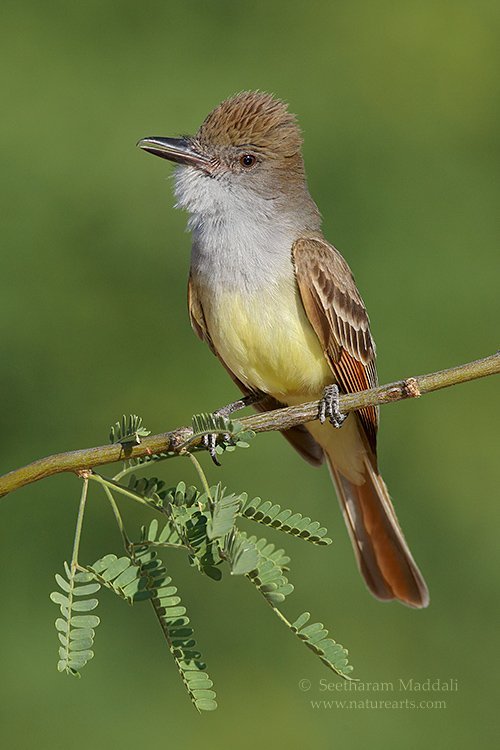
{"x": 279, "y": 419}
{"x": 113, "y": 485}
{"x": 118, "y": 517}
{"x": 200, "y": 473}
{"x": 78, "y": 530}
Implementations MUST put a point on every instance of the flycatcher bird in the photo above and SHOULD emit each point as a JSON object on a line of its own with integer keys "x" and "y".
{"x": 278, "y": 305}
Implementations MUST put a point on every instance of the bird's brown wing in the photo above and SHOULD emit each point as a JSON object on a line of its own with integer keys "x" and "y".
{"x": 298, "y": 436}
{"x": 339, "y": 318}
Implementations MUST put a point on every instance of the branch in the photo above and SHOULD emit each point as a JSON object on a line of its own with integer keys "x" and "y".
{"x": 279, "y": 419}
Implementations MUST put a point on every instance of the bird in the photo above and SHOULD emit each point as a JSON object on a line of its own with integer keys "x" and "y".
{"x": 279, "y": 307}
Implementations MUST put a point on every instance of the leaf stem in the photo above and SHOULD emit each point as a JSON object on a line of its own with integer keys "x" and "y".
{"x": 122, "y": 490}
{"x": 118, "y": 517}
{"x": 79, "y": 525}
{"x": 200, "y": 472}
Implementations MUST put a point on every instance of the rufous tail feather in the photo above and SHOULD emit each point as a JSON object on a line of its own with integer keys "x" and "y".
{"x": 381, "y": 550}
{"x": 383, "y": 555}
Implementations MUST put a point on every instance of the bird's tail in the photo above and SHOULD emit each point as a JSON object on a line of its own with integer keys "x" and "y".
{"x": 383, "y": 555}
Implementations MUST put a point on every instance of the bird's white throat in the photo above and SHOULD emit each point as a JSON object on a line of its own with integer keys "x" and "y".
{"x": 241, "y": 240}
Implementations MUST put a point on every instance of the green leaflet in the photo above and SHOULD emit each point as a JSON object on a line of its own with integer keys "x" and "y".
{"x": 128, "y": 430}
{"x": 149, "y": 487}
{"x": 269, "y": 575}
{"x": 241, "y": 553}
{"x": 75, "y": 631}
{"x": 205, "y": 553}
{"x": 222, "y": 513}
{"x": 161, "y": 536}
{"x": 182, "y": 496}
{"x": 122, "y": 576}
{"x": 315, "y": 637}
{"x": 295, "y": 524}
{"x": 186, "y": 529}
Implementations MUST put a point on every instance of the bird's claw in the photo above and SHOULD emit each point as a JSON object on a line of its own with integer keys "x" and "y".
{"x": 210, "y": 443}
{"x": 329, "y": 407}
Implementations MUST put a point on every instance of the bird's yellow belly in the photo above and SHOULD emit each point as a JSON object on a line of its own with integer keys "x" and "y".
{"x": 267, "y": 341}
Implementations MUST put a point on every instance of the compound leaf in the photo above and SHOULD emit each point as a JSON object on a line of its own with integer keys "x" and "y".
{"x": 75, "y": 631}
{"x": 271, "y": 514}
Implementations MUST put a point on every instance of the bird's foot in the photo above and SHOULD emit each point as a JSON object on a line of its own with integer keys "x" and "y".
{"x": 329, "y": 407}
{"x": 210, "y": 441}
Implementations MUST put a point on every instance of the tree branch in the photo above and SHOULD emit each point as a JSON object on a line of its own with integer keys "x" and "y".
{"x": 280, "y": 419}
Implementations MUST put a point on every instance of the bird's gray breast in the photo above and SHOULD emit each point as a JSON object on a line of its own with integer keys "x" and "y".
{"x": 241, "y": 254}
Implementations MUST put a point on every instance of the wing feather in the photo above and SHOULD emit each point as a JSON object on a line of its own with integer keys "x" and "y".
{"x": 338, "y": 315}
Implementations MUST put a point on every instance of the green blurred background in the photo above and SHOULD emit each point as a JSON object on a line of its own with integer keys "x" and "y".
{"x": 400, "y": 107}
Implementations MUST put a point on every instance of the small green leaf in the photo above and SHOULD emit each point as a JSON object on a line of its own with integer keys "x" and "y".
{"x": 103, "y": 563}
{"x": 311, "y": 629}
{"x": 75, "y": 635}
{"x": 128, "y": 430}
{"x": 83, "y": 577}
{"x": 59, "y": 598}
{"x": 63, "y": 583}
{"x": 222, "y": 515}
{"x": 85, "y": 621}
{"x": 116, "y": 567}
{"x": 80, "y": 644}
{"x": 301, "y": 621}
{"x": 85, "y": 605}
{"x": 205, "y": 704}
{"x": 90, "y": 588}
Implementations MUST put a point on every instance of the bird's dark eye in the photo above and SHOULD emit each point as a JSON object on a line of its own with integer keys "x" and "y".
{"x": 247, "y": 160}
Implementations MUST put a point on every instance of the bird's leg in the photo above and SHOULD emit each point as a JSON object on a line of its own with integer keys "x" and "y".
{"x": 329, "y": 407}
{"x": 210, "y": 441}
{"x": 225, "y": 411}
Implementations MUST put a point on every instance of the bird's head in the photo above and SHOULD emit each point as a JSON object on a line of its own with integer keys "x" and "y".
{"x": 248, "y": 150}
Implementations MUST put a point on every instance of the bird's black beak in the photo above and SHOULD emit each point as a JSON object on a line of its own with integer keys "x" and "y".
{"x": 179, "y": 150}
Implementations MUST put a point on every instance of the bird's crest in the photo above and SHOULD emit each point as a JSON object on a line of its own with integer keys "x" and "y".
{"x": 254, "y": 119}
